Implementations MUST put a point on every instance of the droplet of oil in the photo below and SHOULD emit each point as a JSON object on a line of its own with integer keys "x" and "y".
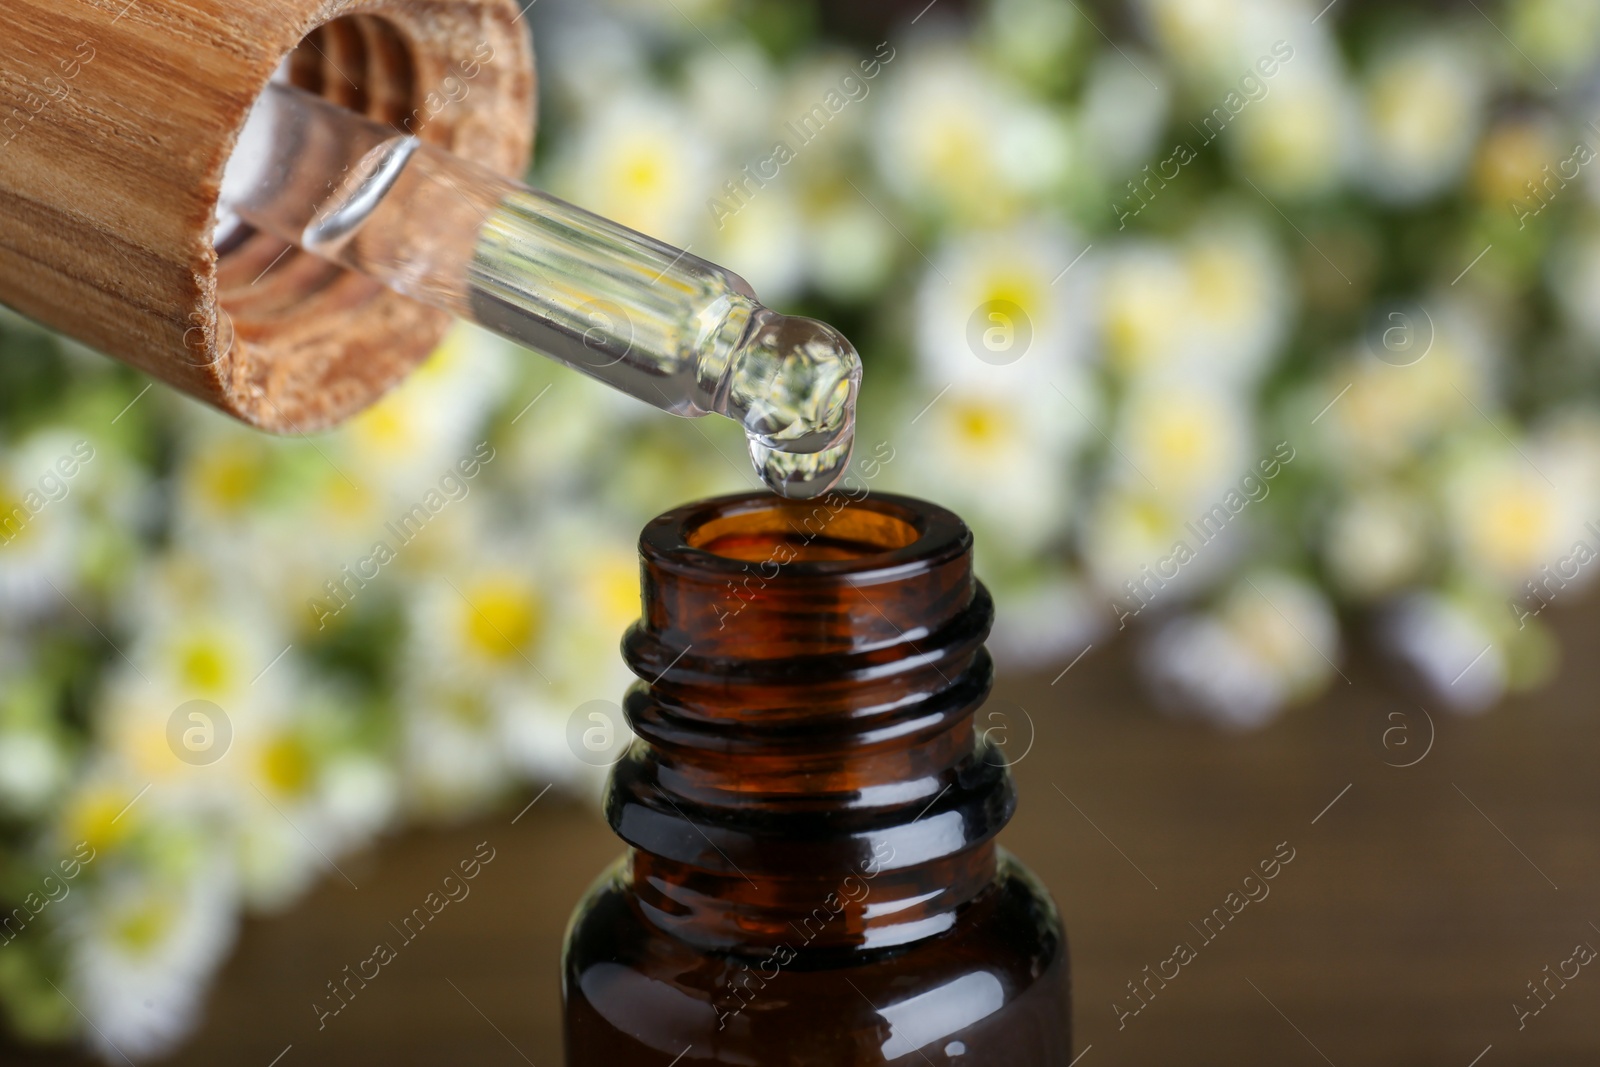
{"x": 802, "y": 475}
{"x": 793, "y": 384}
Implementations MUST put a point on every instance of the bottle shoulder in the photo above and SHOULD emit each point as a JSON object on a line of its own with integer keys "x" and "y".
{"x": 989, "y": 990}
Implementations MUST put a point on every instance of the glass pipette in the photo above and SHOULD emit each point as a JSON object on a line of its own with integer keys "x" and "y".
{"x": 656, "y": 322}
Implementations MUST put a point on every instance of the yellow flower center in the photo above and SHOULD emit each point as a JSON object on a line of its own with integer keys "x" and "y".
{"x": 384, "y": 427}
{"x": 93, "y": 818}
{"x": 1269, "y": 635}
{"x": 445, "y": 358}
{"x": 1517, "y": 526}
{"x": 204, "y": 666}
{"x": 140, "y": 929}
{"x": 614, "y": 588}
{"x": 1180, "y": 440}
{"x": 1222, "y": 284}
{"x": 1291, "y": 138}
{"x": 1509, "y": 158}
{"x": 1142, "y": 313}
{"x": 347, "y": 499}
{"x": 15, "y": 521}
{"x": 286, "y": 764}
{"x": 502, "y": 619}
{"x": 978, "y": 425}
{"x": 642, "y": 174}
{"x": 1415, "y": 110}
{"x": 954, "y": 149}
{"x": 230, "y": 475}
{"x": 1151, "y": 518}
{"x": 1016, "y": 289}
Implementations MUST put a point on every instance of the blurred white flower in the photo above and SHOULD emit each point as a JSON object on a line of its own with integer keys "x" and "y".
{"x": 954, "y": 140}
{"x": 1424, "y": 101}
{"x": 850, "y": 248}
{"x": 1003, "y": 309}
{"x": 1143, "y": 297}
{"x": 32, "y": 769}
{"x": 1240, "y": 298}
{"x": 133, "y": 742}
{"x": 197, "y": 638}
{"x": 643, "y": 160}
{"x": 764, "y": 243}
{"x": 224, "y": 478}
{"x": 139, "y": 959}
{"x": 1202, "y": 36}
{"x": 823, "y": 112}
{"x": 361, "y": 796}
{"x": 1573, "y": 271}
{"x": 243, "y": 505}
{"x": 1371, "y": 415}
{"x": 44, "y": 530}
{"x": 1214, "y": 41}
{"x": 1560, "y": 38}
{"x": 1378, "y": 540}
{"x": 1197, "y": 665}
{"x": 481, "y": 622}
{"x": 1214, "y": 306}
{"x": 299, "y": 806}
{"x": 572, "y": 423}
{"x": 534, "y": 734}
{"x": 614, "y": 57}
{"x": 1572, "y": 433}
{"x": 732, "y": 89}
{"x": 1451, "y": 647}
{"x": 596, "y": 602}
{"x": 1122, "y": 114}
{"x": 454, "y": 754}
{"x": 1273, "y": 641}
{"x": 1187, "y": 442}
{"x": 99, "y": 812}
{"x": 1143, "y": 550}
{"x": 998, "y": 456}
{"x": 399, "y": 447}
{"x": 1289, "y": 624}
{"x": 276, "y": 863}
{"x": 1042, "y": 619}
{"x": 1036, "y": 38}
{"x": 1298, "y": 139}
{"x": 1513, "y": 510}
{"x": 264, "y": 787}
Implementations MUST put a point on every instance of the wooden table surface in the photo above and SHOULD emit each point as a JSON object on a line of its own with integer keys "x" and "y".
{"x": 1419, "y": 902}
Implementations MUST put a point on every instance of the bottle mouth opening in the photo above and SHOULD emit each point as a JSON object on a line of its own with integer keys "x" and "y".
{"x": 831, "y": 536}
{"x": 754, "y": 536}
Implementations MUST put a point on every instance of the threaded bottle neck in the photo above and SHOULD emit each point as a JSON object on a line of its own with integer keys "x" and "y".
{"x": 809, "y": 768}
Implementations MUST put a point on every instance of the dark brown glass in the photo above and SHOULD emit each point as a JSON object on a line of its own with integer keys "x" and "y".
{"x": 812, "y": 876}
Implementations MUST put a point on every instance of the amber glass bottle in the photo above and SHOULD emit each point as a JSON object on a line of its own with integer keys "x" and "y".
{"x": 812, "y": 876}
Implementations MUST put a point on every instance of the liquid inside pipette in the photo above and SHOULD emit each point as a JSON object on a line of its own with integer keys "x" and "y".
{"x": 656, "y": 322}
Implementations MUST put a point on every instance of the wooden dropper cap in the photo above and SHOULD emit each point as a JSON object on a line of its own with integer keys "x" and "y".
{"x": 116, "y": 122}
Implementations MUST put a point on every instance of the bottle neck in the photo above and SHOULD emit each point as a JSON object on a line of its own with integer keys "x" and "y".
{"x": 809, "y": 773}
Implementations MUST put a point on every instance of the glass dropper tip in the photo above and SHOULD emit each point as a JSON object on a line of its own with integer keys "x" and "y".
{"x": 792, "y": 386}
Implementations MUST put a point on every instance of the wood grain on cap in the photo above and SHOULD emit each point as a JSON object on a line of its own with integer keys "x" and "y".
{"x": 116, "y": 122}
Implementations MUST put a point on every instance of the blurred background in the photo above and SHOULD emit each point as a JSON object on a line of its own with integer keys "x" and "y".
{"x": 1256, "y": 339}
